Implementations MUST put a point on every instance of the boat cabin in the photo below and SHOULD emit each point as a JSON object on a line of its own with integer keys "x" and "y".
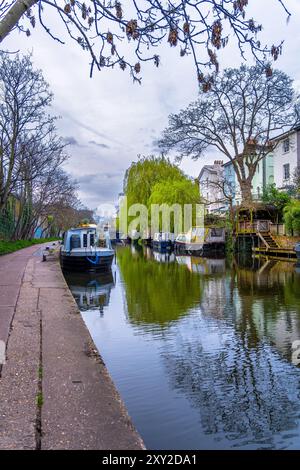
{"x": 203, "y": 235}
{"x": 163, "y": 237}
{"x": 82, "y": 237}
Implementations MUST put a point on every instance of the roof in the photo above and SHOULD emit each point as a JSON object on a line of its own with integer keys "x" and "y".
{"x": 86, "y": 227}
{"x": 255, "y": 207}
{"x": 286, "y": 134}
{"x": 210, "y": 168}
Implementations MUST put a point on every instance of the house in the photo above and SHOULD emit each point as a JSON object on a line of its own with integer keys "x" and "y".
{"x": 263, "y": 177}
{"x": 219, "y": 185}
{"x": 278, "y": 167}
{"x": 210, "y": 184}
{"x": 286, "y": 157}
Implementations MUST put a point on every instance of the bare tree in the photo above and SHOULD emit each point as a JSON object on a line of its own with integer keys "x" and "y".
{"x": 199, "y": 27}
{"x": 67, "y": 213}
{"x": 36, "y": 180}
{"x": 53, "y": 188}
{"x": 225, "y": 193}
{"x": 239, "y": 115}
{"x": 28, "y": 140}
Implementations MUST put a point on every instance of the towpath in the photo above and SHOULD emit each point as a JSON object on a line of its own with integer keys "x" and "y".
{"x": 55, "y": 391}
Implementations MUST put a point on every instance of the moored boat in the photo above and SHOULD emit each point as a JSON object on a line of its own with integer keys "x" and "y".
{"x": 163, "y": 241}
{"x": 84, "y": 250}
{"x": 200, "y": 241}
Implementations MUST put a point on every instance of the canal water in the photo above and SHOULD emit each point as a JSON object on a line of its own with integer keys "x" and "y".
{"x": 199, "y": 349}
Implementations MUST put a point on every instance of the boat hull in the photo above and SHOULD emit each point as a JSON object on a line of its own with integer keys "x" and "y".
{"x": 83, "y": 263}
{"x": 199, "y": 249}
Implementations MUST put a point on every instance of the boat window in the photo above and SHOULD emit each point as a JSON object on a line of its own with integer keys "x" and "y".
{"x": 85, "y": 240}
{"x": 92, "y": 239}
{"x": 75, "y": 241}
{"x": 216, "y": 232}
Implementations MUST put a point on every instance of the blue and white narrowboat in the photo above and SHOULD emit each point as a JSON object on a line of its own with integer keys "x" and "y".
{"x": 84, "y": 250}
{"x": 163, "y": 241}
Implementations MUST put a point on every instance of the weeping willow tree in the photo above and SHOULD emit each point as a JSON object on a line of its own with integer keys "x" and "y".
{"x": 157, "y": 294}
{"x": 156, "y": 180}
{"x": 143, "y": 175}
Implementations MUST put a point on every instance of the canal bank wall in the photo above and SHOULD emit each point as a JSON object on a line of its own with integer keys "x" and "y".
{"x": 55, "y": 391}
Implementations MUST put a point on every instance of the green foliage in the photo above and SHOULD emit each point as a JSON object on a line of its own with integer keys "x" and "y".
{"x": 10, "y": 247}
{"x": 296, "y": 184}
{"x": 182, "y": 191}
{"x": 155, "y": 180}
{"x": 39, "y": 400}
{"x": 7, "y": 222}
{"x": 144, "y": 174}
{"x": 276, "y": 198}
{"x": 292, "y": 216}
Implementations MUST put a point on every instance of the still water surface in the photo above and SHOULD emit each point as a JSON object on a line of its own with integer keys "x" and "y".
{"x": 199, "y": 349}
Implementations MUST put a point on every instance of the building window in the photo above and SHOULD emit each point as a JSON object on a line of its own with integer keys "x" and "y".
{"x": 286, "y": 145}
{"x": 286, "y": 171}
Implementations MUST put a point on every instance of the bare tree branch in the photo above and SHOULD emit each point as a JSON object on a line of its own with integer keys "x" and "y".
{"x": 239, "y": 116}
{"x": 197, "y": 27}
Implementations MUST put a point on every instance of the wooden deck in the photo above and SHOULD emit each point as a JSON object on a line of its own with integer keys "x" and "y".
{"x": 278, "y": 252}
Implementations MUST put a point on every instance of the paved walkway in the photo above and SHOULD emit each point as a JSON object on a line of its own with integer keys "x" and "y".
{"x": 55, "y": 391}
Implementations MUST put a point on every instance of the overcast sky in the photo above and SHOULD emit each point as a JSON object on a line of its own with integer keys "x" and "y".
{"x": 108, "y": 120}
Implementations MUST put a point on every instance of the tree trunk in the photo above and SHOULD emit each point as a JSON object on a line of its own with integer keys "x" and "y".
{"x": 13, "y": 16}
{"x": 246, "y": 192}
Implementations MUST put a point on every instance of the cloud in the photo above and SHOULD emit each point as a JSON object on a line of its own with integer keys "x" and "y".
{"x": 109, "y": 120}
{"x": 104, "y": 146}
{"x": 70, "y": 140}
{"x": 100, "y": 188}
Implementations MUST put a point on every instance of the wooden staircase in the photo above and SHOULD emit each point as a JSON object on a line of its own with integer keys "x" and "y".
{"x": 269, "y": 241}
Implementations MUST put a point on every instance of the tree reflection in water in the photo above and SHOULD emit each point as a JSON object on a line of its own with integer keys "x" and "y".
{"x": 204, "y": 353}
{"x": 156, "y": 292}
{"x": 236, "y": 377}
{"x": 228, "y": 358}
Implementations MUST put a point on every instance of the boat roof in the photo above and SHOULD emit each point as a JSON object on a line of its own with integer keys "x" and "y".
{"x": 83, "y": 227}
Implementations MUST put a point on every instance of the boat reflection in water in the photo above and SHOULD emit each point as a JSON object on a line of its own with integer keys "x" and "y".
{"x": 90, "y": 290}
{"x": 195, "y": 264}
{"x": 164, "y": 257}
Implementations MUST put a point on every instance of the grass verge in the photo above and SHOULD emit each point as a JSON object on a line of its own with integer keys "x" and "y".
{"x": 11, "y": 246}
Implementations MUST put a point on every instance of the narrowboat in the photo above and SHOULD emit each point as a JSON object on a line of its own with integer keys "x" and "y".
{"x": 163, "y": 241}
{"x": 201, "y": 241}
{"x": 84, "y": 250}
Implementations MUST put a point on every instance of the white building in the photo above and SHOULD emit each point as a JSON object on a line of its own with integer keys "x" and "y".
{"x": 286, "y": 158}
{"x": 278, "y": 167}
{"x": 210, "y": 179}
